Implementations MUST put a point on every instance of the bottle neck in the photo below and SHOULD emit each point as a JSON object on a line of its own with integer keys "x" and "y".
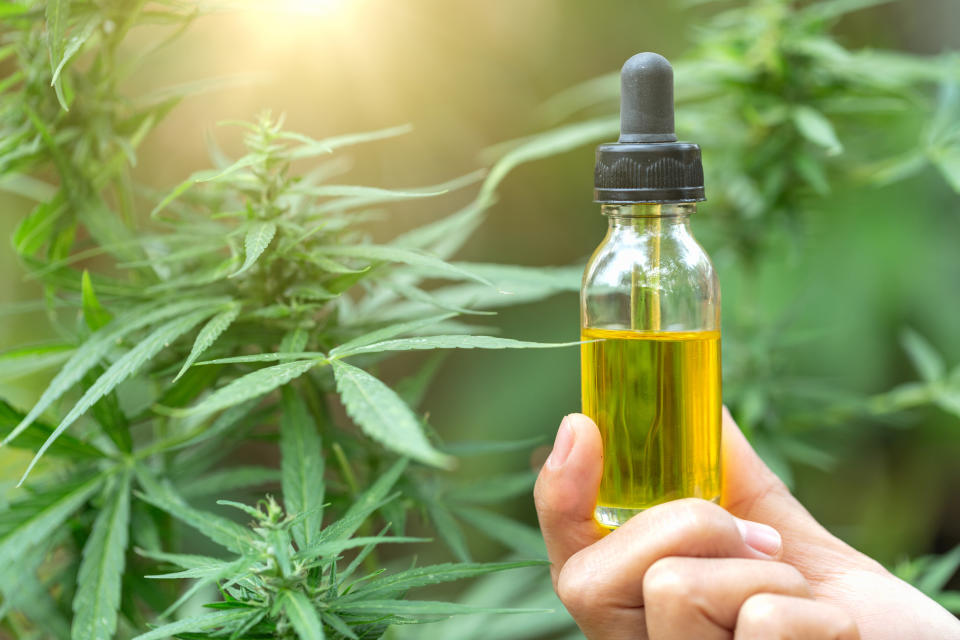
{"x": 642, "y": 219}
{"x": 636, "y": 213}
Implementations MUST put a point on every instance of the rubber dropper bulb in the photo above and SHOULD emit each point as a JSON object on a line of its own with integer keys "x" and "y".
{"x": 646, "y": 99}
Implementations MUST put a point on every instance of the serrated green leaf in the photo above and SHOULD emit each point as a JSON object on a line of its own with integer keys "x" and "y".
{"x": 253, "y": 385}
{"x": 256, "y": 241}
{"x": 816, "y": 128}
{"x": 107, "y": 413}
{"x": 302, "y": 615}
{"x": 318, "y": 356}
{"x": 197, "y": 623}
{"x": 124, "y": 367}
{"x": 208, "y": 335}
{"x": 97, "y": 346}
{"x": 383, "y": 416}
{"x": 399, "y": 583}
{"x": 93, "y": 312}
{"x": 378, "y": 252}
{"x": 928, "y": 362}
{"x": 37, "y": 433}
{"x": 302, "y": 466}
{"x": 451, "y": 342}
{"x": 28, "y": 522}
{"x": 390, "y": 331}
{"x": 515, "y": 535}
{"x": 364, "y": 505}
{"x": 337, "y": 624}
{"x": 97, "y": 599}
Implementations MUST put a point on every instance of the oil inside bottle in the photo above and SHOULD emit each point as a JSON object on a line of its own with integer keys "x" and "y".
{"x": 655, "y": 395}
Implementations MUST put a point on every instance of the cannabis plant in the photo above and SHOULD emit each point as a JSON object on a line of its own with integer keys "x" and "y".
{"x": 247, "y": 310}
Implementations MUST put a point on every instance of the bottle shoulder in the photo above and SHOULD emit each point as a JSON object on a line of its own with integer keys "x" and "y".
{"x": 650, "y": 260}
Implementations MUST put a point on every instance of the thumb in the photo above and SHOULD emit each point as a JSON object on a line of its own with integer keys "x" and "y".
{"x": 566, "y": 490}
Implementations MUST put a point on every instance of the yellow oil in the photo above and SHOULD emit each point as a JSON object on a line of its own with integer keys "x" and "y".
{"x": 655, "y": 395}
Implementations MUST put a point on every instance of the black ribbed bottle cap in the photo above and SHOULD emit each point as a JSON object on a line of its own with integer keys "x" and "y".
{"x": 647, "y": 164}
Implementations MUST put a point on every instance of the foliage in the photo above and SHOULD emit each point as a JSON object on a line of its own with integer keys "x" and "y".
{"x": 236, "y": 312}
{"x": 249, "y": 304}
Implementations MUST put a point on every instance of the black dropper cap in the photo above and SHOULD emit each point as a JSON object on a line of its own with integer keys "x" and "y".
{"x": 647, "y": 164}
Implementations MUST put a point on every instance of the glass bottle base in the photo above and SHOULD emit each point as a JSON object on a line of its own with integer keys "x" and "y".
{"x": 613, "y": 517}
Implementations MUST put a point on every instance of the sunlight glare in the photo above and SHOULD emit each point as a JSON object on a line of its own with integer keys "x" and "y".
{"x": 314, "y": 7}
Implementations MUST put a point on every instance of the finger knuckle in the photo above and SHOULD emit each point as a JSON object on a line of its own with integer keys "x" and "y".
{"x": 666, "y": 581}
{"x": 706, "y": 518}
{"x": 759, "y": 617}
{"x": 575, "y": 587}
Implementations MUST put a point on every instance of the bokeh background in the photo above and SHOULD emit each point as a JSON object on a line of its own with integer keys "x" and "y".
{"x": 866, "y": 263}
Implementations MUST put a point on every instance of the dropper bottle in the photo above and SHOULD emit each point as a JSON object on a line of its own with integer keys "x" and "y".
{"x": 650, "y": 311}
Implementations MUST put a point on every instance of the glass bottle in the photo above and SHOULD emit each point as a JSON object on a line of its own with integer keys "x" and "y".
{"x": 650, "y": 312}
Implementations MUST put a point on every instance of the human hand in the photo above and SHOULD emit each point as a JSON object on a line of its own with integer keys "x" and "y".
{"x": 761, "y": 567}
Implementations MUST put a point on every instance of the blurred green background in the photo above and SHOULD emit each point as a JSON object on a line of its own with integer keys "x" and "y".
{"x": 868, "y": 263}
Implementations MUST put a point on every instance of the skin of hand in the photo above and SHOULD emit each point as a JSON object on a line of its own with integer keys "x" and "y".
{"x": 760, "y": 567}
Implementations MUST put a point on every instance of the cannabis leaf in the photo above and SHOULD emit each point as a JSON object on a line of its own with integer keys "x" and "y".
{"x": 300, "y": 447}
{"x": 302, "y": 615}
{"x": 120, "y": 370}
{"x": 383, "y": 416}
{"x": 26, "y": 523}
{"x": 256, "y": 242}
{"x": 208, "y": 335}
{"x": 253, "y": 385}
{"x": 97, "y": 598}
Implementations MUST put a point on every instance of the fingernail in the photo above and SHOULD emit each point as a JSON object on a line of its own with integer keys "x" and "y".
{"x": 761, "y": 537}
{"x": 562, "y": 445}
